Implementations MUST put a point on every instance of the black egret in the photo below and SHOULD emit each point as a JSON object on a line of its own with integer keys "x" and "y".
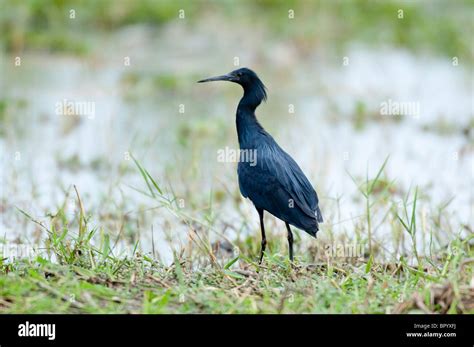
{"x": 273, "y": 181}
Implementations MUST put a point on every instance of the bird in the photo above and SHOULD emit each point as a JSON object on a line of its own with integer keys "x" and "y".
{"x": 273, "y": 181}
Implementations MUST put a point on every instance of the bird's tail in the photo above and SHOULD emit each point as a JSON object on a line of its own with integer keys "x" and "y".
{"x": 313, "y": 231}
{"x": 319, "y": 216}
{"x": 319, "y": 219}
{"x": 311, "y": 225}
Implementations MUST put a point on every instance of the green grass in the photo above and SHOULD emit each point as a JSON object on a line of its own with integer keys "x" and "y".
{"x": 140, "y": 285}
{"x": 80, "y": 270}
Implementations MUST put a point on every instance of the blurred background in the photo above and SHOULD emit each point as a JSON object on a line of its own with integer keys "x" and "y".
{"x": 84, "y": 85}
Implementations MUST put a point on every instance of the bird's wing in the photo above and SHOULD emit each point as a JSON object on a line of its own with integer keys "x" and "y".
{"x": 277, "y": 170}
{"x": 276, "y": 161}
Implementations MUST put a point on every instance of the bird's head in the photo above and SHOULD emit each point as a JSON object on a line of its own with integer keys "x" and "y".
{"x": 246, "y": 78}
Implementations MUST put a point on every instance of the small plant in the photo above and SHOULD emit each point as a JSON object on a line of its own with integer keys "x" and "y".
{"x": 367, "y": 189}
{"x": 408, "y": 222}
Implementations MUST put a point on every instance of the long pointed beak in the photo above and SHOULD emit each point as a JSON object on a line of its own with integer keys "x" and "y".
{"x": 227, "y": 77}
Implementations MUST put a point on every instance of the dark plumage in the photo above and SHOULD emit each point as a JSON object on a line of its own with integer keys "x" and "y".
{"x": 275, "y": 183}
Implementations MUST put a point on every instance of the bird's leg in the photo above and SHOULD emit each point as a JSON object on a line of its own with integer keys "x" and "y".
{"x": 290, "y": 241}
{"x": 264, "y": 238}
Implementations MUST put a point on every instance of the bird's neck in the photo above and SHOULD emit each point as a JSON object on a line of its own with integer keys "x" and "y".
{"x": 248, "y": 127}
{"x": 247, "y": 123}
